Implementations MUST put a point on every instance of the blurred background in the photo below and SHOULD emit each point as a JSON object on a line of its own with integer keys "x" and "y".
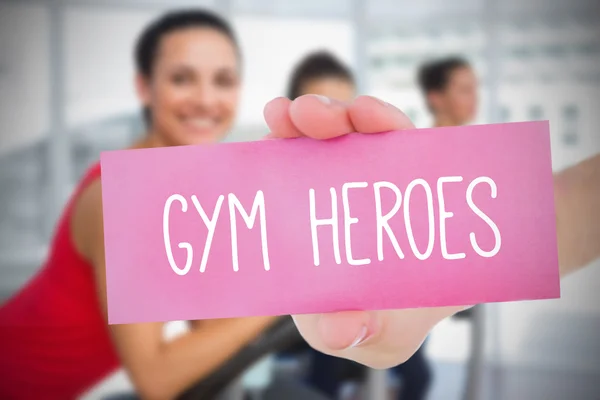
{"x": 67, "y": 93}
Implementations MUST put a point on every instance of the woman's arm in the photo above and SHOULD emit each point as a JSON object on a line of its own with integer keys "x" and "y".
{"x": 577, "y": 199}
{"x": 159, "y": 369}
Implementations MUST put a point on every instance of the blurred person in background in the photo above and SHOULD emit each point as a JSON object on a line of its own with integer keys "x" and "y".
{"x": 322, "y": 73}
{"x": 450, "y": 88}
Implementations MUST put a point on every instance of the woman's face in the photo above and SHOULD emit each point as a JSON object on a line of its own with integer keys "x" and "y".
{"x": 459, "y": 99}
{"x": 194, "y": 87}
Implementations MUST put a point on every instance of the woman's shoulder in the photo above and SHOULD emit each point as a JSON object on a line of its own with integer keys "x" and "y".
{"x": 85, "y": 210}
{"x": 89, "y": 183}
{"x": 92, "y": 173}
{"x": 89, "y": 178}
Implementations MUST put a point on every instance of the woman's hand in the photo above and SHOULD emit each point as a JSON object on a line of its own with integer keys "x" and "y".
{"x": 378, "y": 339}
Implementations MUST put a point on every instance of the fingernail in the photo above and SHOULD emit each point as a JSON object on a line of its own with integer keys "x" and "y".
{"x": 383, "y": 103}
{"x": 322, "y": 99}
{"x": 362, "y": 335}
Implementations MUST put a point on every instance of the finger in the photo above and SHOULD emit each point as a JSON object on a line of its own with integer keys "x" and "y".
{"x": 332, "y": 333}
{"x": 345, "y": 330}
{"x": 277, "y": 117}
{"x": 392, "y": 336}
{"x": 319, "y": 117}
{"x": 371, "y": 115}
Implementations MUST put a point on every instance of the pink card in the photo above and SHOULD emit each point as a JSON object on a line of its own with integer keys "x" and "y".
{"x": 418, "y": 218}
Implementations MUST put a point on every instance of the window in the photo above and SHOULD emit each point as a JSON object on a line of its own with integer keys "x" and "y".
{"x": 520, "y": 52}
{"x": 434, "y": 34}
{"x": 404, "y": 61}
{"x": 378, "y": 62}
{"x": 590, "y": 48}
{"x": 504, "y": 114}
{"x": 26, "y": 214}
{"x": 412, "y": 114}
{"x": 535, "y": 113}
{"x": 570, "y": 124}
{"x": 555, "y": 51}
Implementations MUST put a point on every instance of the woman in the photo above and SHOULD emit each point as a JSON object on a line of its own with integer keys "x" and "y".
{"x": 54, "y": 340}
{"x": 449, "y": 86}
{"x": 323, "y": 74}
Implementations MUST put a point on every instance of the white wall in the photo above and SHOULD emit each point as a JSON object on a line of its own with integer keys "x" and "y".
{"x": 99, "y": 61}
{"x": 24, "y": 72}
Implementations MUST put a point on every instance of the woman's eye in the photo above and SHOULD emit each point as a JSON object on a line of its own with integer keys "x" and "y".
{"x": 225, "y": 80}
{"x": 180, "y": 79}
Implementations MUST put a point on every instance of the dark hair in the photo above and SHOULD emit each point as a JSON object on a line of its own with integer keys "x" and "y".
{"x": 435, "y": 75}
{"x": 148, "y": 42}
{"x": 317, "y": 65}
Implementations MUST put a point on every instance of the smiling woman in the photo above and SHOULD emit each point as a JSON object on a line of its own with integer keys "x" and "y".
{"x": 188, "y": 83}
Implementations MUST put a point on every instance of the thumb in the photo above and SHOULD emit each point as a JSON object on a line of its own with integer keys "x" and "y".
{"x": 343, "y": 330}
{"x": 332, "y": 333}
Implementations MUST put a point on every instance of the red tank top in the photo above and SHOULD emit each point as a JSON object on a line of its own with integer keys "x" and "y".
{"x": 54, "y": 340}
